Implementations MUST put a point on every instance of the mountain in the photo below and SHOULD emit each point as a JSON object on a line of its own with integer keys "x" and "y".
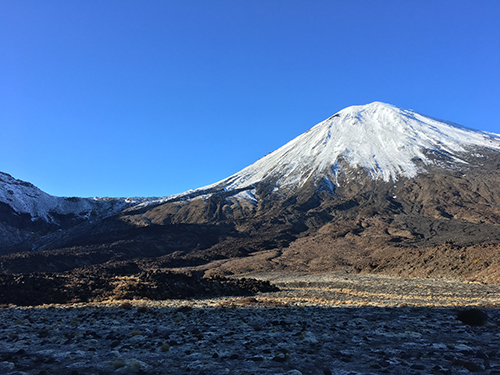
{"x": 27, "y": 213}
{"x": 373, "y": 188}
{"x": 386, "y": 142}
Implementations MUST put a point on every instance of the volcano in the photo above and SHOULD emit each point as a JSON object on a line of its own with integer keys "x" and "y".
{"x": 386, "y": 142}
{"x": 373, "y": 188}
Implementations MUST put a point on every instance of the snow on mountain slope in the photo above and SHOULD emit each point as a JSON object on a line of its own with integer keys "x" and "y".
{"x": 383, "y": 140}
{"x": 25, "y": 198}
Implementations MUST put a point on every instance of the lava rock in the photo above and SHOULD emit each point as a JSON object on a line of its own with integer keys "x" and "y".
{"x": 473, "y": 317}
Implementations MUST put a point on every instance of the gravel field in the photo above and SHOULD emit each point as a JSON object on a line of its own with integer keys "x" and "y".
{"x": 333, "y": 323}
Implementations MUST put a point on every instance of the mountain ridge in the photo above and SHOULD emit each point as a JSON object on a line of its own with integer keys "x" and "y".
{"x": 308, "y": 206}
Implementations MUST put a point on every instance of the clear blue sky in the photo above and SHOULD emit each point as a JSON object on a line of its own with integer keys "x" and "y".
{"x": 152, "y": 98}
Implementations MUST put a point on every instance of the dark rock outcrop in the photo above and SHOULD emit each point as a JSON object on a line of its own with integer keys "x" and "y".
{"x": 115, "y": 283}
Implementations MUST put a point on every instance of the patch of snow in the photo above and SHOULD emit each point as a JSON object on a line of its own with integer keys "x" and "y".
{"x": 246, "y": 195}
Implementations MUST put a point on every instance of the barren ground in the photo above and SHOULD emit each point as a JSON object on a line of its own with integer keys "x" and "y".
{"x": 318, "y": 324}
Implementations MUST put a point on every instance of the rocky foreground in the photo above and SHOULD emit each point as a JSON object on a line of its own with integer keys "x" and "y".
{"x": 316, "y": 324}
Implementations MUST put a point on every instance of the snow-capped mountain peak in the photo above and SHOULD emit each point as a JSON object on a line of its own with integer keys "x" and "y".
{"x": 382, "y": 139}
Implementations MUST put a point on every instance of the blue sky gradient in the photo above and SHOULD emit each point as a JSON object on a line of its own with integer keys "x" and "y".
{"x": 152, "y": 98}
